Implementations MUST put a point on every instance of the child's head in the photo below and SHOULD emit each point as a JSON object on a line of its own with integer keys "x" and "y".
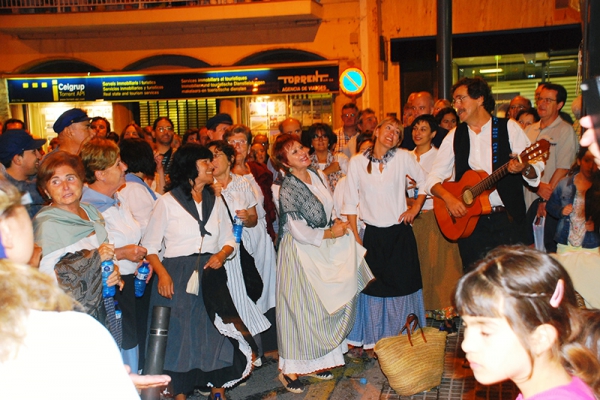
{"x": 519, "y": 305}
{"x": 584, "y": 163}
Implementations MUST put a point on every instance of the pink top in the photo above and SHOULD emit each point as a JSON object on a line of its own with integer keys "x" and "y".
{"x": 576, "y": 390}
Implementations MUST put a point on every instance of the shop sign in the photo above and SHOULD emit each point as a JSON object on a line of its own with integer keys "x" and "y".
{"x": 313, "y": 79}
{"x": 352, "y": 81}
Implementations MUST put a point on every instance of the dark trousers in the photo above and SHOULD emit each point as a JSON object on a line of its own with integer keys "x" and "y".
{"x": 492, "y": 230}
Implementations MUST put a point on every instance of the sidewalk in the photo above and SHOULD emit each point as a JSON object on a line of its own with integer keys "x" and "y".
{"x": 457, "y": 382}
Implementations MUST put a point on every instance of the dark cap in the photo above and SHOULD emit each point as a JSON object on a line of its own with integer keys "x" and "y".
{"x": 16, "y": 141}
{"x": 213, "y": 122}
{"x": 70, "y": 117}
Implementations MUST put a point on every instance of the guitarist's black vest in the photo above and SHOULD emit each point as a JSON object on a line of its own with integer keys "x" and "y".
{"x": 510, "y": 187}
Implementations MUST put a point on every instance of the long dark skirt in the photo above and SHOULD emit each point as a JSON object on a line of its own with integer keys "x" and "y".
{"x": 197, "y": 353}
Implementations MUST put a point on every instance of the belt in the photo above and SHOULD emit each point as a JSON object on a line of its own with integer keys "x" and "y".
{"x": 498, "y": 209}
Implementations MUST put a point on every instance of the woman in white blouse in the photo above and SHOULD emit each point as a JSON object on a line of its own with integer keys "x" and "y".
{"x": 321, "y": 141}
{"x": 241, "y": 202}
{"x": 320, "y": 269}
{"x": 105, "y": 174}
{"x": 197, "y": 235}
{"x": 376, "y": 184}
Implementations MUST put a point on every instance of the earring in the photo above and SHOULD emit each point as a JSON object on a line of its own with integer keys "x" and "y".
{"x": 290, "y": 169}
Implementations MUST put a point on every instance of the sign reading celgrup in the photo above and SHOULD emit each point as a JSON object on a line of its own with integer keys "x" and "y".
{"x": 309, "y": 79}
{"x": 352, "y": 81}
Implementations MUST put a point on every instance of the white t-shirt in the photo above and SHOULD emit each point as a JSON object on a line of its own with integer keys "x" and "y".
{"x": 426, "y": 162}
{"x": 66, "y": 356}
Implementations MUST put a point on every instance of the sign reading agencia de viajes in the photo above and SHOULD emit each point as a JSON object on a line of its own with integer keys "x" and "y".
{"x": 225, "y": 83}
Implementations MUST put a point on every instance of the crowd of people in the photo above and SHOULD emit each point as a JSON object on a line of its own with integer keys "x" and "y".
{"x": 339, "y": 241}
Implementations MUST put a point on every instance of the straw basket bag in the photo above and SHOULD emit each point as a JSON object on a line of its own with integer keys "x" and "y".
{"x": 413, "y": 363}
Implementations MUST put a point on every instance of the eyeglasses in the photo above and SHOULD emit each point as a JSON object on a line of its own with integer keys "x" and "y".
{"x": 520, "y": 107}
{"x": 217, "y": 154}
{"x": 459, "y": 99}
{"x": 294, "y": 132}
{"x": 165, "y": 129}
{"x": 237, "y": 142}
{"x": 320, "y": 137}
{"x": 546, "y": 100}
{"x": 348, "y": 115}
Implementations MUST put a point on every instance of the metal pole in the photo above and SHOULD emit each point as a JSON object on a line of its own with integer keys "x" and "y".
{"x": 444, "y": 48}
{"x": 157, "y": 346}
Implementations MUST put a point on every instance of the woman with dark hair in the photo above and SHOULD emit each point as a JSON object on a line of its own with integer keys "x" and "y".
{"x": 241, "y": 203}
{"x": 105, "y": 174}
{"x": 525, "y": 118}
{"x": 139, "y": 197}
{"x": 191, "y": 136}
{"x": 320, "y": 268}
{"x": 447, "y": 118}
{"x": 101, "y": 126}
{"x": 377, "y": 181}
{"x": 366, "y": 136}
{"x": 130, "y": 131}
{"x": 139, "y": 160}
{"x": 321, "y": 140}
{"x": 196, "y": 232}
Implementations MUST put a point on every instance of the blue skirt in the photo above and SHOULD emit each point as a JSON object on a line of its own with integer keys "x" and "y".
{"x": 380, "y": 317}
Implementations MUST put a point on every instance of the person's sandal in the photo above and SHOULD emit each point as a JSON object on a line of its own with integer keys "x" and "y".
{"x": 323, "y": 375}
{"x": 294, "y": 386}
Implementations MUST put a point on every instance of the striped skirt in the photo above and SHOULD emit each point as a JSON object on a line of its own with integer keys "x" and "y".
{"x": 309, "y": 338}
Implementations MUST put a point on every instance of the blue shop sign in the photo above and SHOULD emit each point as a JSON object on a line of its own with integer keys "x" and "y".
{"x": 200, "y": 84}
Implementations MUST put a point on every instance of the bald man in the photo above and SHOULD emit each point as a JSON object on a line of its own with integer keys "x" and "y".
{"x": 422, "y": 104}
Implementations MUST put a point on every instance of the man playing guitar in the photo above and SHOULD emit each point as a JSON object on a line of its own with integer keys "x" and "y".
{"x": 482, "y": 142}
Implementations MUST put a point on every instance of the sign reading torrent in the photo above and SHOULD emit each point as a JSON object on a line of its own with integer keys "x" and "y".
{"x": 313, "y": 79}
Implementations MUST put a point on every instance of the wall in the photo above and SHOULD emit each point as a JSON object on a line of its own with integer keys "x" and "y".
{"x": 349, "y": 33}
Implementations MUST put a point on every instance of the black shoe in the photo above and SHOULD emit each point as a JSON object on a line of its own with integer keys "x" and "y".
{"x": 294, "y": 386}
{"x": 323, "y": 375}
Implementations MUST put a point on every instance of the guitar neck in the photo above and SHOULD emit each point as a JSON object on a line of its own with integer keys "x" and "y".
{"x": 490, "y": 181}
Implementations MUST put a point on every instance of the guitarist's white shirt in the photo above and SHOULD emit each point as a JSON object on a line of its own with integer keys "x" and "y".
{"x": 480, "y": 156}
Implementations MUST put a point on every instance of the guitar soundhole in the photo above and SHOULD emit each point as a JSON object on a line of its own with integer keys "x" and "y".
{"x": 468, "y": 197}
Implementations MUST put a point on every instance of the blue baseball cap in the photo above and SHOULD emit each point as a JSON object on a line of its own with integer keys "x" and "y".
{"x": 16, "y": 141}
{"x": 218, "y": 119}
{"x": 70, "y": 117}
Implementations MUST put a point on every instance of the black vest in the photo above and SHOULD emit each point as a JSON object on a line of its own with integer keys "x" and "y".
{"x": 510, "y": 187}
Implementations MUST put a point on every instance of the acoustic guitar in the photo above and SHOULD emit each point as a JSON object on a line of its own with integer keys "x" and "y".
{"x": 474, "y": 189}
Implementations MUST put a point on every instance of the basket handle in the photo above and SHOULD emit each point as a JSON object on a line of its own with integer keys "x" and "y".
{"x": 414, "y": 320}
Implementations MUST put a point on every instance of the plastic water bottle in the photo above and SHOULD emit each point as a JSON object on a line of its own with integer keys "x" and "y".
{"x": 238, "y": 227}
{"x": 107, "y": 268}
{"x": 140, "y": 279}
{"x": 118, "y": 312}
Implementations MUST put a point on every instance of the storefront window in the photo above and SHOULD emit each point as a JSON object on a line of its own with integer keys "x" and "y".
{"x": 519, "y": 74}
